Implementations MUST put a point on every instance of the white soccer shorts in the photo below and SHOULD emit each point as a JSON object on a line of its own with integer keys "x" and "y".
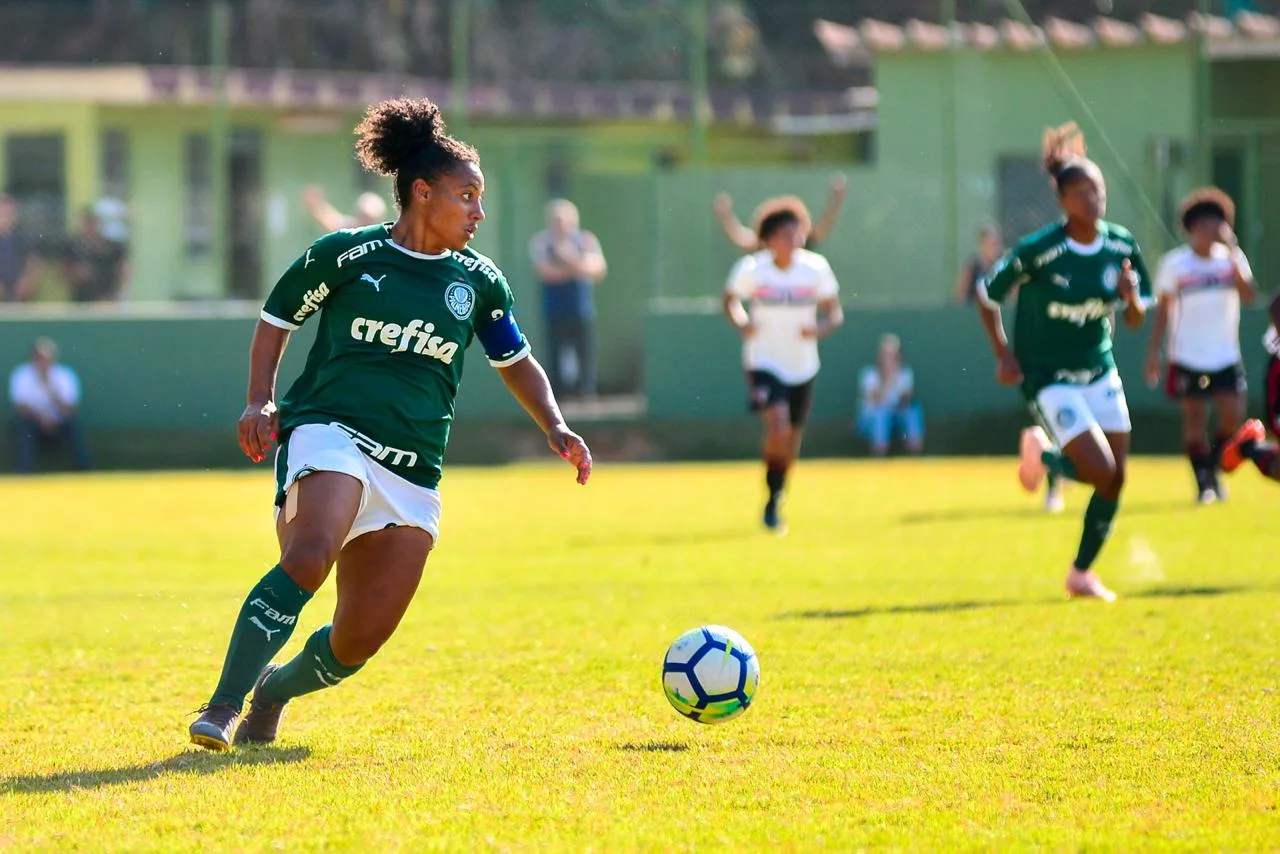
{"x": 1067, "y": 411}
{"x": 387, "y": 500}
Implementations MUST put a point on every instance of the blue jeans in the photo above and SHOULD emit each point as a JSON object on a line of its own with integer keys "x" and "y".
{"x": 29, "y": 436}
{"x": 879, "y": 424}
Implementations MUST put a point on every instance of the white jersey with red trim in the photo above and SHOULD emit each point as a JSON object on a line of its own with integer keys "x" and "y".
{"x": 1204, "y": 308}
{"x": 783, "y": 304}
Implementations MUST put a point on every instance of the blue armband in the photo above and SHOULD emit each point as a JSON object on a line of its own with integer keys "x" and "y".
{"x": 503, "y": 341}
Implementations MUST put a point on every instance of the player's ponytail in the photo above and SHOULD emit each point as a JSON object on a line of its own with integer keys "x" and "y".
{"x": 405, "y": 139}
{"x": 1064, "y": 154}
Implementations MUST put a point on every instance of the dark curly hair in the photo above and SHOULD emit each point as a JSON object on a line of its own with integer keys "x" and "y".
{"x": 405, "y": 139}
{"x": 1206, "y": 202}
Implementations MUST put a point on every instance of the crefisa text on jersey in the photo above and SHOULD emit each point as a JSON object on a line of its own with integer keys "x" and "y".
{"x": 311, "y": 301}
{"x": 398, "y": 337}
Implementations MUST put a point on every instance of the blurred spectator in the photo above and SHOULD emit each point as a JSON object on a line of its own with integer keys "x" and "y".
{"x": 113, "y": 219}
{"x": 744, "y": 237}
{"x": 45, "y": 395}
{"x": 990, "y": 248}
{"x": 17, "y": 256}
{"x": 887, "y": 406}
{"x": 371, "y": 209}
{"x": 569, "y": 262}
{"x": 94, "y": 267}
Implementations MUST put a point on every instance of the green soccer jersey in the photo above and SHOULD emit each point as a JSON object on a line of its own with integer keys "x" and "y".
{"x": 1066, "y": 295}
{"x": 394, "y": 326}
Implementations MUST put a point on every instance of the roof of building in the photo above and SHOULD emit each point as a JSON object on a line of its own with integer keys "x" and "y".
{"x": 1246, "y": 35}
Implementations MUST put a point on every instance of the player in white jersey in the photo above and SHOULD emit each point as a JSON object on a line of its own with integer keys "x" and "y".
{"x": 793, "y": 303}
{"x": 1201, "y": 285}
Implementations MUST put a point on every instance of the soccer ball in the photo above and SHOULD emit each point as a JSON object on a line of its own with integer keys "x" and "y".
{"x": 711, "y": 674}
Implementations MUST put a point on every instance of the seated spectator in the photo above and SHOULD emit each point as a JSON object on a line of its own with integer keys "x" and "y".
{"x": 93, "y": 266}
{"x": 887, "y": 406}
{"x": 45, "y": 395}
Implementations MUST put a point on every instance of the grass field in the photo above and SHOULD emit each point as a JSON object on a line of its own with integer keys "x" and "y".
{"x": 925, "y": 684}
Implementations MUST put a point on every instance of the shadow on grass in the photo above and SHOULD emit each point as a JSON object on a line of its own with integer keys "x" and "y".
{"x": 654, "y": 747}
{"x": 971, "y": 514}
{"x": 921, "y": 608}
{"x": 952, "y": 607}
{"x": 189, "y": 762}
{"x": 1191, "y": 592}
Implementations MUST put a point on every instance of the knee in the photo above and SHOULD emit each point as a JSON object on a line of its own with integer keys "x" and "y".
{"x": 1113, "y": 483}
{"x": 781, "y": 436}
{"x": 308, "y": 562}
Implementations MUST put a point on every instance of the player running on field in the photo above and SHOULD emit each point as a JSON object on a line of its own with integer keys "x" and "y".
{"x": 794, "y": 303}
{"x": 1201, "y": 285}
{"x": 1250, "y": 441}
{"x": 363, "y": 429}
{"x": 1071, "y": 277}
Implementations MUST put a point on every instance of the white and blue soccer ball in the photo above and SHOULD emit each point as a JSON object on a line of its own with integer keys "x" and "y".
{"x": 711, "y": 674}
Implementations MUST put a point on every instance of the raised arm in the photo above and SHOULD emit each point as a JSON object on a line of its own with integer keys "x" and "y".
{"x": 835, "y": 201}
{"x": 739, "y": 235}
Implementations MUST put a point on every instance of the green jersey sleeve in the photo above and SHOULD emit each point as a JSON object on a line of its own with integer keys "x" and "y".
{"x": 1011, "y": 271}
{"x": 308, "y": 282}
{"x": 495, "y": 323}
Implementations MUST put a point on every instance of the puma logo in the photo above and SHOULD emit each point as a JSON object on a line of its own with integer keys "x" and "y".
{"x": 262, "y": 626}
{"x": 377, "y": 283}
{"x": 1061, "y": 281}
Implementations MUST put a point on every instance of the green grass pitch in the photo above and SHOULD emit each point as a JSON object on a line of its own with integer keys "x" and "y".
{"x": 925, "y": 683}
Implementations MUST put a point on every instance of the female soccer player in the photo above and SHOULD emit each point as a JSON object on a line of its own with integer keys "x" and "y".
{"x": 1250, "y": 441}
{"x": 1201, "y": 285}
{"x": 363, "y": 429}
{"x": 795, "y": 303}
{"x": 1071, "y": 276}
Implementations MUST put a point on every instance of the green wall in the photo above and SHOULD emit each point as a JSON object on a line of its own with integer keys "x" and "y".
{"x": 693, "y": 366}
{"x": 972, "y": 107}
{"x": 166, "y": 391}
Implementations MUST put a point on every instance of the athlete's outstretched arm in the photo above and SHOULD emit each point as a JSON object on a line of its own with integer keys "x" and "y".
{"x": 260, "y": 423}
{"x": 839, "y": 185}
{"x": 528, "y": 384}
{"x": 739, "y": 235}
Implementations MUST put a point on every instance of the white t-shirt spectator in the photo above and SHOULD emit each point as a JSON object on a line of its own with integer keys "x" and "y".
{"x": 1204, "y": 310}
{"x": 781, "y": 304}
{"x": 900, "y": 387}
{"x": 27, "y": 389}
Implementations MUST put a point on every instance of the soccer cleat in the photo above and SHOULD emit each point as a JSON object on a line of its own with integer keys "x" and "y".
{"x": 1087, "y": 585}
{"x": 772, "y": 518}
{"x": 1219, "y": 488}
{"x": 1250, "y": 433}
{"x": 263, "y": 720}
{"x": 1053, "y": 500}
{"x": 1206, "y": 496}
{"x": 1031, "y": 469}
{"x": 212, "y": 730}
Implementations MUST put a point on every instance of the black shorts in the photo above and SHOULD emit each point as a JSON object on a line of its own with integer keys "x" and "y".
{"x": 767, "y": 390}
{"x": 1272, "y": 396}
{"x": 1188, "y": 382}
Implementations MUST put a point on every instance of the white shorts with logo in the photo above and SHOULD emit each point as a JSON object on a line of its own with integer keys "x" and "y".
{"x": 387, "y": 501}
{"x": 1067, "y": 411}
